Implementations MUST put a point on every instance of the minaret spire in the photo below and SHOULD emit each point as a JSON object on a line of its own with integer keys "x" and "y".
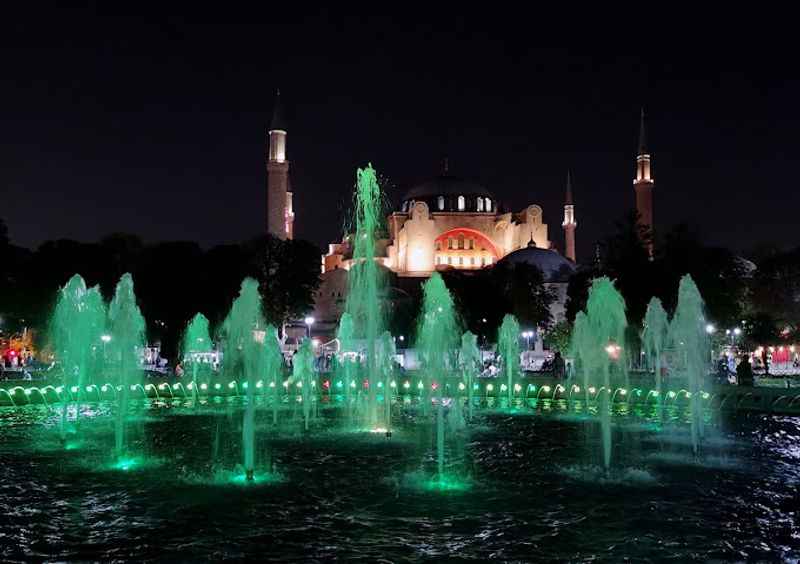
{"x": 643, "y": 187}
{"x": 280, "y": 216}
{"x": 569, "y": 223}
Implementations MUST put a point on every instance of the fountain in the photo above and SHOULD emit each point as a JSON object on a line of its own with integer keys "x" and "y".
{"x": 345, "y": 370}
{"x": 196, "y": 341}
{"x": 273, "y": 366}
{"x": 508, "y": 347}
{"x": 244, "y": 331}
{"x": 386, "y": 363}
{"x": 365, "y": 281}
{"x": 75, "y": 330}
{"x": 688, "y": 337}
{"x": 470, "y": 361}
{"x": 597, "y": 342}
{"x": 654, "y": 338}
{"x": 302, "y": 376}
{"x": 127, "y": 327}
{"x": 437, "y": 342}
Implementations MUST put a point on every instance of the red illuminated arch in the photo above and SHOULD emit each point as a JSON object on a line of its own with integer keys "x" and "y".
{"x": 481, "y": 240}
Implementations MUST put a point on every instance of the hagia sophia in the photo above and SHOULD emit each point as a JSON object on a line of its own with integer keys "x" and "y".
{"x": 445, "y": 223}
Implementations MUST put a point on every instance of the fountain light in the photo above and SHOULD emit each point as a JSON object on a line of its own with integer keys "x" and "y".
{"x": 190, "y": 386}
{"x": 105, "y": 338}
{"x": 74, "y": 389}
{"x": 231, "y": 385}
{"x": 339, "y": 384}
{"x": 393, "y": 384}
{"x": 420, "y": 386}
{"x": 671, "y": 394}
{"x": 300, "y": 384}
{"x": 461, "y": 386}
{"x": 27, "y": 391}
{"x": 89, "y": 388}
{"x": 59, "y": 389}
{"x": 272, "y": 384}
{"x": 380, "y": 384}
{"x": 286, "y": 384}
{"x": 503, "y": 387}
{"x": 406, "y": 384}
{"x": 705, "y": 395}
{"x": 162, "y": 386}
{"x": 489, "y": 387}
{"x": 353, "y": 384}
{"x": 217, "y": 386}
{"x": 710, "y": 329}
{"x": 244, "y": 385}
{"x": 546, "y": 389}
{"x": 260, "y": 384}
{"x": 203, "y": 386}
{"x": 592, "y": 389}
{"x": 105, "y": 387}
{"x": 517, "y": 388}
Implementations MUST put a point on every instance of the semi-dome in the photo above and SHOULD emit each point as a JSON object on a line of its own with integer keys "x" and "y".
{"x": 554, "y": 267}
{"x": 446, "y": 193}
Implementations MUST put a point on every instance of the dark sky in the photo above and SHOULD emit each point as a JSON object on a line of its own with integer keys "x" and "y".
{"x": 157, "y": 126}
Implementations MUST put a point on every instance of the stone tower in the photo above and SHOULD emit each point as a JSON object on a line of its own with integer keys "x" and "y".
{"x": 643, "y": 187}
{"x": 280, "y": 216}
{"x": 569, "y": 224}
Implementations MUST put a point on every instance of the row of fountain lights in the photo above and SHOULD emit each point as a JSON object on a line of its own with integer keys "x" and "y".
{"x": 407, "y": 385}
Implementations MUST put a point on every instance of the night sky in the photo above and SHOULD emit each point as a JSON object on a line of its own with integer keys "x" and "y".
{"x": 156, "y": 127}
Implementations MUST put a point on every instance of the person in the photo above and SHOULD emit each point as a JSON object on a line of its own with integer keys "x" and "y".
{"x": 744, "y": 372}
{"x": 558, "y": 366}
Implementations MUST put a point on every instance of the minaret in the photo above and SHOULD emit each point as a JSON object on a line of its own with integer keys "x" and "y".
{"x": 643, "y": 186}
{"x": 569, "y": 224}
{"x": 280, "y": 216}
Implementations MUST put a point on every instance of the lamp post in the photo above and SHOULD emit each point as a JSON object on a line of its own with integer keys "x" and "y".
{"x": 527, "y": 335}
{"x": 309, "y": 322}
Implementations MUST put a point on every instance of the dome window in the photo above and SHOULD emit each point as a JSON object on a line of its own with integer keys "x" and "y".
{"x": 480, "y": 204}
{"x": 488, "y": 205}
{"x": 440, "y": 202}
{"x": 462, "y": 203}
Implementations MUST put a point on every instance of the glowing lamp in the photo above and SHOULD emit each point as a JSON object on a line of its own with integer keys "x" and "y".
{"x": 406, "y": 384}
{"x": 592, "y": 390}
{"x": 461, "y": 385}
{"x": 489, "y": 387}
{"x": 503, "y": 387}
{"x": 517, "y": 388}
{"x": 420, "y": 386}
{"x": 231, "y": 385}
{"x": 74, "y": 389}
{"x": 393, "y": 384}
{"x": 203, "y": 386}
{"x": 260, "y": 384}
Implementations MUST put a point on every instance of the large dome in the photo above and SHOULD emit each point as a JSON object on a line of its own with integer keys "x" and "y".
{"x": 554, "y": 267}
{"x": 446, "y": 185}
{"x": 447, "y": 193}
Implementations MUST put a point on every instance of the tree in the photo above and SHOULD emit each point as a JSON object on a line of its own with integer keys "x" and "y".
{"x": 288, "y": 272}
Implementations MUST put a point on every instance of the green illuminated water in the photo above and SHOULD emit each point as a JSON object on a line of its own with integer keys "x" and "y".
{"x": 469, "y": 359}
{"x": 654, "y": 338}
{"x": 76, "y": 327}
{"x": 365, "y": 282}
{"x": 597, "y": 341}
{"x": 127, "y": 327}
{"x": 303, "y": 376}
{"x": 508, "y": 347}
{"x": 244, "y": 333}
{"x": 437, "y": 346}
{"x": 196, "y": 340}
{"x": 690, "y": 341}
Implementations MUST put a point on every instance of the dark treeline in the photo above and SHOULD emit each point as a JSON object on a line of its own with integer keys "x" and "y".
{"x": 759, "y": 292}
{"x": 173, "y": 280}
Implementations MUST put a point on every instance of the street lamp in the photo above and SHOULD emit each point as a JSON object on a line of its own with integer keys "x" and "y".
{"x": 309, "y": 322}
{"x": 527, "y": 335}
{"x": 710, "y": 329}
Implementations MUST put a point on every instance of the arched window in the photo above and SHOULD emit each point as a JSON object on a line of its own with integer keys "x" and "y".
{"x": 480, "y": 204}
{"x": 488, "y": 205}
{"x": 462, "y": 203}
{"x": 440, "y": 202}
{"x": 461, "y": 242}
{"x": 449, "y": 242}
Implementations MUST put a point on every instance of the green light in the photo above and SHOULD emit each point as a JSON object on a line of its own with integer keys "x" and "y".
{"x": 503, "y": 387}
{"x": 59, "y": 389}
{"x": 546, "y": 389}
{"x": 204, "y": 386}
{"x": 353, "y": 384}
{"x": 489, "y": 387}
{"x": 406, "y": 384}
{"x": 125, "y": 464}
{"x": 217, "y": 386}
{"x": 27, "y": 391}
{"x": 420, "y": 386}
{"x": 393, "y": 384}
{"x": 244, "y": 385}
{"x": 339, "y": 384}
{"x": 688, "y": 394}
{"x": 162, "y": 386}
{"x": 380, "y": 384}
{"x": 671, "y": 394}
{"x": 576, "y": 388}
{"x": 231, "y": 385}
{"x": 89, "y": 388}
{"x": 105, "y": 387}
{"x": 461, "y": 385}
{"x": 623, "y": 392}
{"x": 592, "y": 390}
{"x": 260, "y": 384}
{"x": 300, "y": 384}
{"x": 517, "y": 388}
{"x": 190, "y": 386}
{"x": 149, "y": 386}
{"x": 133, "y": 388}
{"x": 74, "y": 389}
{"x": 705, "y": 395}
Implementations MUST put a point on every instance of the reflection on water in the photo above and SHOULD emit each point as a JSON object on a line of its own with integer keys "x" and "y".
{"x": 527, "y": 488}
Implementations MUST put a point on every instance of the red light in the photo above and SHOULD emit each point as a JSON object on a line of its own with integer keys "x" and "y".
{"x": 434, "y": 386}
{"x": 366, "y": 384}
{"x": 326, "y": 384}
{"x": 12, "y": 353}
